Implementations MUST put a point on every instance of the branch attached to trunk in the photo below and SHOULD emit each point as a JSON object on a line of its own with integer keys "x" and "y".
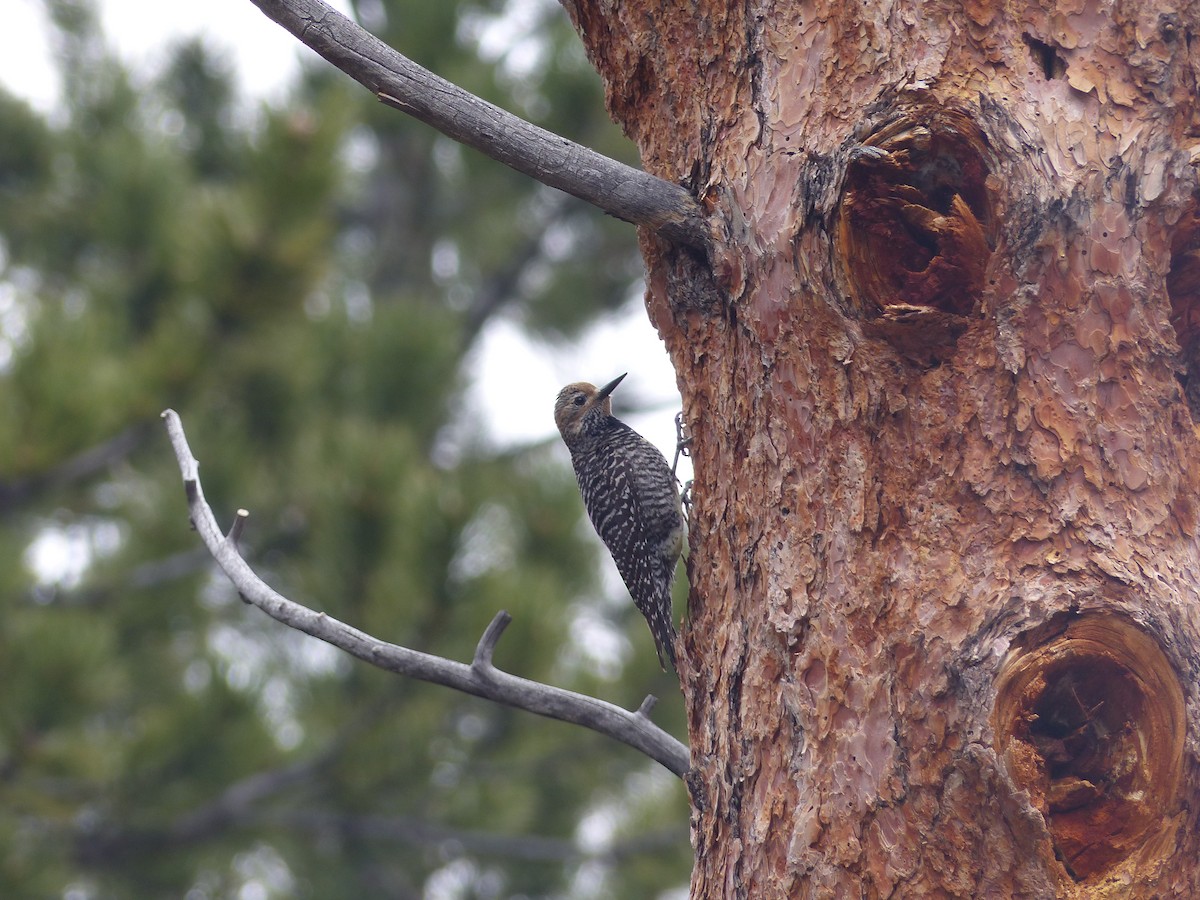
{"x": 620, "y": 190}
{"x": 480, "y": 677}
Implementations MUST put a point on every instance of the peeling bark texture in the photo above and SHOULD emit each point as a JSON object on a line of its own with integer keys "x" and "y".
{"x": 941, "y": 375}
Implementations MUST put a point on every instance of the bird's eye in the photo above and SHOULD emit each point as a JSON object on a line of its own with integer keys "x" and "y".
{"x": 580, "y": 399}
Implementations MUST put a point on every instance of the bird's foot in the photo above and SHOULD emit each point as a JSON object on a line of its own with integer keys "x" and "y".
{"x": 685, "y": 498}
{"x": 683, "y": 443}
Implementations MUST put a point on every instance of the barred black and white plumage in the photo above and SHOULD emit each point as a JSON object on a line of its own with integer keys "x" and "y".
{"x": 631, "y": 498}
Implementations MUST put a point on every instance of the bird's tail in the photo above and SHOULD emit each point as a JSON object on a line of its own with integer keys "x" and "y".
{"x": 663, "y": 629}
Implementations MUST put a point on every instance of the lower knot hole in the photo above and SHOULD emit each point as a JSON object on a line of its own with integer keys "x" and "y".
{"x": 1090, "y": 723}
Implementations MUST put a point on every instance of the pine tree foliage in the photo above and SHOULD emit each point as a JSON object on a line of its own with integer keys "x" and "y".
{"x": 304, "y": 282}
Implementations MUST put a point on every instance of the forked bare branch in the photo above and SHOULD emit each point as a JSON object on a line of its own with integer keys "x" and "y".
{"x": 480, "y": 677}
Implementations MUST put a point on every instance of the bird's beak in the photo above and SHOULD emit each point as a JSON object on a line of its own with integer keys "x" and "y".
{"x": 610, "y": 387}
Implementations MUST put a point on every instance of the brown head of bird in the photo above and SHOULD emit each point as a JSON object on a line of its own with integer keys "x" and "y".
{"x": 581, "y": 407}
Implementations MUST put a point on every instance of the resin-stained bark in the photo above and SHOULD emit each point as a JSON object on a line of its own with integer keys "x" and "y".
{"x": 944, "y": 636}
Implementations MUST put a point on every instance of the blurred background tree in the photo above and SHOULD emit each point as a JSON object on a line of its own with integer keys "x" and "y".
{"x": 307, "y": 283}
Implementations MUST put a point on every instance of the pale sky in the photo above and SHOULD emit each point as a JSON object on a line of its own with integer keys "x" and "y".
{"x": 265, "y": 55}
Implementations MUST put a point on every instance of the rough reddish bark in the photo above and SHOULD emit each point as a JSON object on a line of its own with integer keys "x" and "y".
{"x": 944, "y": 639}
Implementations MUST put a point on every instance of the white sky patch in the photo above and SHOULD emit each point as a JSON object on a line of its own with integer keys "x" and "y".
{"x": 591, "y": 882}
{"x": 26, "y": 66}
{"x": 197, "y": 676}
{"x": 452, "y": 881}
{"x": 243, "y": 657}
{"x": 60, "y": 556}
{"x": 509, "y": 38}
{"x": 596, "y": 646}
{"x": 263, "y": 874}
{"x": 264, "y": 56}
{"x": 487, "y": 545}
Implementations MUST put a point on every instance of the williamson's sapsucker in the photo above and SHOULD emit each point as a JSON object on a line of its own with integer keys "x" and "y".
{"x": 632, "y": 499}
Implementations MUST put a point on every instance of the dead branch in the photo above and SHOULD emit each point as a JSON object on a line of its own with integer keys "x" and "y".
{"x": 480, "y": 678}
{"x": 457, "y": 841}
{"x": 22, "y": 492}
{"x": 620, "y": 190}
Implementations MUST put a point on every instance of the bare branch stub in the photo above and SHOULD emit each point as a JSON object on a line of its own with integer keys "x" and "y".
{"x": 619, "y": 190}
{"x": 479, "y": 678}
{"x": 486, "y": 647}
{"x": 239, "y": 524}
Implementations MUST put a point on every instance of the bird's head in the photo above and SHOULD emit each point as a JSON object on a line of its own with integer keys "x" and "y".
{"x": 581, "y": 406}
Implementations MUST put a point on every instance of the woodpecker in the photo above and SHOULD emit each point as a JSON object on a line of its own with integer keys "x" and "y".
{"x": 631, "y": 498}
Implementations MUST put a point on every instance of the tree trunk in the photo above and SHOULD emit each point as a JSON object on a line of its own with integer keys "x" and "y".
{"x": 942, "y": 637}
